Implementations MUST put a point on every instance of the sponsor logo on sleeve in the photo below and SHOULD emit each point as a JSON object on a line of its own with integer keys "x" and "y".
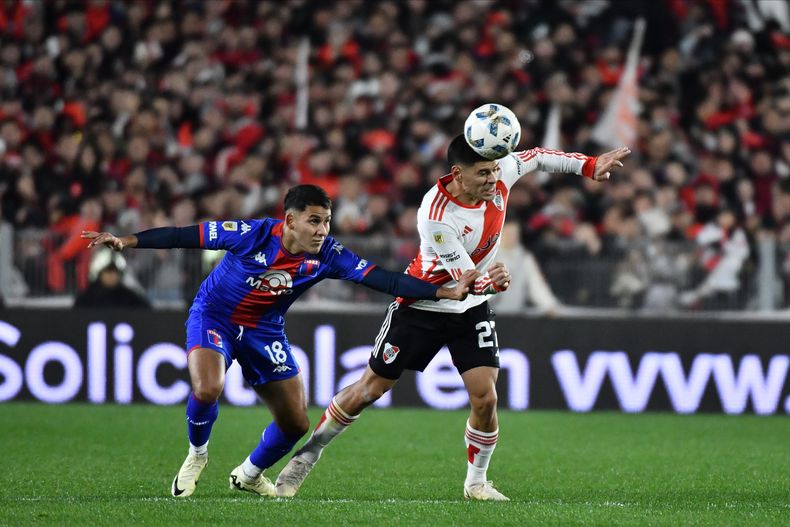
{"x": 229, "y": 226}
{"x": 245, "y": 228}
{"x": 362, "y": 264}
{"x": 390, "y": 353}
{"x": 212, "y": 230}
{"x": 450, "y": 257}
{"x": 261, "y": 258}
{"x": 337, "y": 247}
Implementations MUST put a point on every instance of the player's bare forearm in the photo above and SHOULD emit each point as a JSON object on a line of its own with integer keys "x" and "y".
{"x": 461, "y": 289}
{"x": 107, "y": 239}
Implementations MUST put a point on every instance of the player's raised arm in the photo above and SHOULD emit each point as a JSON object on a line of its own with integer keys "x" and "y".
{"x": 234, "y": 236}
{"x": 158, "y": 238}
{"x": 598, "y": 168}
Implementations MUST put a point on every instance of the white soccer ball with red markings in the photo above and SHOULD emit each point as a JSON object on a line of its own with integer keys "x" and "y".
{"x": 492, "y": 131}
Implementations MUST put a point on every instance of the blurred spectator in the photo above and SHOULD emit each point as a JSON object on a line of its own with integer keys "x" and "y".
{"x": 528, "y": 287}
{"x": 67, "y": 248}
{"x": 723, "y": 250}
{"x": 107, "y": 289}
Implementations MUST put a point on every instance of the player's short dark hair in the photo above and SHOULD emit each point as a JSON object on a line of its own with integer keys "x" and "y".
{"x": 302, "y": 196}
{"x": 460, "y": 153}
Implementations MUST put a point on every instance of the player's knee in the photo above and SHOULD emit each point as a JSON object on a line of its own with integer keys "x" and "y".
{"x": 484, "y": 404}
{"x": 207, "y": 392}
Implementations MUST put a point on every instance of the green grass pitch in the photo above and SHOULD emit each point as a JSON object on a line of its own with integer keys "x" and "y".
{"x": 112, "y": 465}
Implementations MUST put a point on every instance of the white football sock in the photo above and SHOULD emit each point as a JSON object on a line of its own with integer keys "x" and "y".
{"x": 334, "y": 421}
{"x": 250, "y": 469}
{"x": 201, "y": 450}
{"x": 479, "y": 447}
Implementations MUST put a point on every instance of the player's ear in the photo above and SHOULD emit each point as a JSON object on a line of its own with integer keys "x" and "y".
{"x": 455, "y": 170}
{"x": 290, "y": 219}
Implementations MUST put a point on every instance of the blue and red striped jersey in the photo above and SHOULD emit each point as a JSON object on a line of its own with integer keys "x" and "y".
{"x": 258, "y": 279}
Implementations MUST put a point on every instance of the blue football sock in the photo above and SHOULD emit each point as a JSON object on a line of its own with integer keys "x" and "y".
{"x": 200, "y": 419}
{"x": 273, "y": 446}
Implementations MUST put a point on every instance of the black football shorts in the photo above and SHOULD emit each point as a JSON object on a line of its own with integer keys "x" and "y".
{"x": 410, "y": 338}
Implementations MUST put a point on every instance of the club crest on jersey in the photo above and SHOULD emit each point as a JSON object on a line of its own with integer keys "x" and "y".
{"x": 390, "y": 353}
{"x": 274, "y": 282}
{"x": 438, "y": 237}
{"x": 499, "y": 201}
{"x": 214, "y": 337}
{"x": 309, "y": 267}
{"x": 229, "y": 226}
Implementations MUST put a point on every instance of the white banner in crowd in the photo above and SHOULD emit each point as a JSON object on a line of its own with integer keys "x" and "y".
{"x": 617, "y": 126}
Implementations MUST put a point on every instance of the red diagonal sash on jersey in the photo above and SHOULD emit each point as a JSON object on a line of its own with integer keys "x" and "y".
{"x": 493, "y": 220}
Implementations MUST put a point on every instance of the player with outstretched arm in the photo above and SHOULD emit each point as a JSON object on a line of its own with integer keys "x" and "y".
{"x": 459, "y": 222}
{"x": 238, "y": 314}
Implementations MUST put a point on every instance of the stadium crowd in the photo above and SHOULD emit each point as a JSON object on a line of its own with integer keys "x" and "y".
{"x": 130, "y": 115}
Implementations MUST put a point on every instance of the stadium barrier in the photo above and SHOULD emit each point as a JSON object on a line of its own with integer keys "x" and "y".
{"x": 648, "y": 274}
{"x": 633, "y": 364}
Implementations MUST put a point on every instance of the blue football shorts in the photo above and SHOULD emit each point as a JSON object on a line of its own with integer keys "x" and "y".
{"x": 264, "y": 355}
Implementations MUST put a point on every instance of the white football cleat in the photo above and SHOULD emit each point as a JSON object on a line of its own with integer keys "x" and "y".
{"x": 239, "y": 481}
{"x": 188, "y": 475}
{"x": 292, "y": 476}
{"x": 484, "y": 491}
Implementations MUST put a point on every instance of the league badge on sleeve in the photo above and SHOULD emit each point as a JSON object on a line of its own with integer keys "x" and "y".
{"x": 229, "y": 226}
{"x": 438, "y": 237}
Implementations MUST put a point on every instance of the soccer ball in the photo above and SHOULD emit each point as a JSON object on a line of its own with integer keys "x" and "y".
{"x": 492, "y": 131}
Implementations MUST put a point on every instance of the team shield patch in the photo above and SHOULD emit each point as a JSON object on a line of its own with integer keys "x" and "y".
{"x": 499, "y": 201}
{"x": 390, "y": 353}
{"x": 215, "y": 338}
{"x": 309, "y": 267}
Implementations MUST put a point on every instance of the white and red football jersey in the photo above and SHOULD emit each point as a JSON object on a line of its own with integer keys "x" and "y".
{"x": 455, "y": 237}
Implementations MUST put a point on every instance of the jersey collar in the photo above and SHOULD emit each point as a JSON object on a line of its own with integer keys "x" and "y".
{"x": 442, "y": 183}
{"x": 277, "y": 230}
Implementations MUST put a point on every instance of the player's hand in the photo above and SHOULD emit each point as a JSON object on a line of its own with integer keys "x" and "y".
{"x": 500, "y": 276}
{"x": 461, "y": 289}
{"x": 102, "y": 238}
{"x": 607, "y": 161}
